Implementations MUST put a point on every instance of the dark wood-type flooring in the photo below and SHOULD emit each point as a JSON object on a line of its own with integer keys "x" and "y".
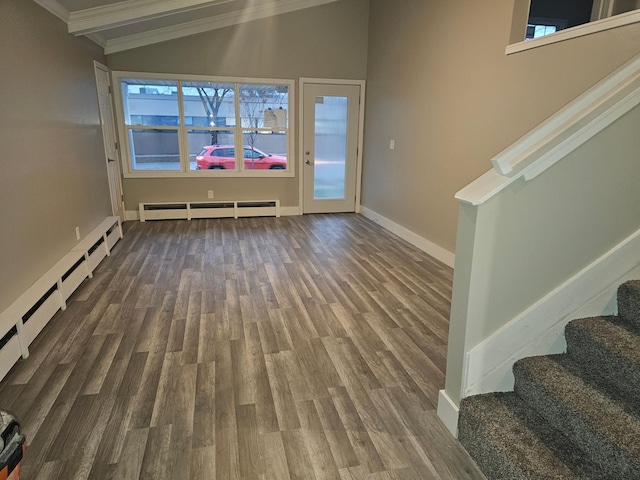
{"x": 300, "y": 347}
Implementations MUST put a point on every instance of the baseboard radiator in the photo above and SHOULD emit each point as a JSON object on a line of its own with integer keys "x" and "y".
{"x": 218, "y": 209}
{"x": 21, "y": 322}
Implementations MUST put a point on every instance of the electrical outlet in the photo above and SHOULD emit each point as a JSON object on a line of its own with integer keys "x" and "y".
{"x": 392, "y": 144}
{"x": 77, "y": 233}
{"x": 210, "y": 193}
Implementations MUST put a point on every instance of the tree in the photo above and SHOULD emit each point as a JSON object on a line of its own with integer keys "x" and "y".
{"x": 212, "y": 104}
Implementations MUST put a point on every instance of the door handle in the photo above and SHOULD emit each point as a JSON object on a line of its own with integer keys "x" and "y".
{"x": 308, "y": 162}
{"x": 110, "y": 160}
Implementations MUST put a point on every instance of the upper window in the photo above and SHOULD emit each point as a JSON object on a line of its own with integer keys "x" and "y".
{"x": 550, "y": 16}
{"x": 541, "y": 22}
{"x": 193, "y": 127}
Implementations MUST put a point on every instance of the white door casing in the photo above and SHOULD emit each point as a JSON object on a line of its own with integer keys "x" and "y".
{"x": 331, "y": 145}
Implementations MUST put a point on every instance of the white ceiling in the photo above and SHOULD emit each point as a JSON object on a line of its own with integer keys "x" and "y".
{"x": 122, "y": 25}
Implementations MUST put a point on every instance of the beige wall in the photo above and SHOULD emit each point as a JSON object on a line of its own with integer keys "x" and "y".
{"x": 53, "y": 167}
{"x": 439, "y": 83}
{"x": 329, "y": 41}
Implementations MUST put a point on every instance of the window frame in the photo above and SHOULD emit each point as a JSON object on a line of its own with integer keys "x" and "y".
{"x": 183, "y": 129}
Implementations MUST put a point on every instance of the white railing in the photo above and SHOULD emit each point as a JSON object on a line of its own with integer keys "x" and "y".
{"x": 560, "y": 134}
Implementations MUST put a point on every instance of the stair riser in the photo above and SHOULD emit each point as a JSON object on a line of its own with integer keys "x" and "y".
{"x": 629, "y": 301}
{"x": 495, "y": 463}
{"x": 614, "y": 369}
{"x": 484, "y": 424}
{"x": 508, "y": 440}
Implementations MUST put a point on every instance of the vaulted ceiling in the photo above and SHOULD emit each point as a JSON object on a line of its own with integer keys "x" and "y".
{"x": 122, "y": 25}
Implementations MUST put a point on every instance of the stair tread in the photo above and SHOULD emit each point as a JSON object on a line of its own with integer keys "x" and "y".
{"x": 509, "y": 440}
{"x": 583, "y": 412}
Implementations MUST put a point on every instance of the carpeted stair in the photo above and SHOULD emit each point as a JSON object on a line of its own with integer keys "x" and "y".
{"x": 570, "y": 416}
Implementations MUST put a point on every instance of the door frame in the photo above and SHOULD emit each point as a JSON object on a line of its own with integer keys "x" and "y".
{"x": 329, "y": 81}
{"x": 120, "y": 194}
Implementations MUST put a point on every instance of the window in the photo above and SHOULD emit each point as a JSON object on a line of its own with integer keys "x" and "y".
{"x": 152, "y": 124}
{"x": 196, "y": 126}
{"x": 546, "y": 16}
{"x": 263, "y": 119}
{"x": 535, "y": 20}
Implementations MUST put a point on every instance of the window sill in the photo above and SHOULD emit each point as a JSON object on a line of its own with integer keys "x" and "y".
{"x": 578, "y": 31}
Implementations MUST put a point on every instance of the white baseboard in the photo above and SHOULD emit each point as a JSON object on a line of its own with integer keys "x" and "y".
{"x": 131, "y": 215}
{"x": 539, "y": 330}
{"x": 436, "y": 251}
{"x": 448, "y": 412}
{"x": 290, "y": 211}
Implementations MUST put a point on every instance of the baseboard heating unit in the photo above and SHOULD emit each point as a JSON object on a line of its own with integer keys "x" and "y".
{"x": 21, "y": 322}
{"x": 218, "y": 209}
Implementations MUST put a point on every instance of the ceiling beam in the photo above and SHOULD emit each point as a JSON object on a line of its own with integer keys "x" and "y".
{"x": 91, "y": 20}
{"x": 247, "y": 14}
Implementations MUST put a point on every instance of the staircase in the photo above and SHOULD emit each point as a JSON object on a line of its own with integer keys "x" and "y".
{"x": 570, "y": 416}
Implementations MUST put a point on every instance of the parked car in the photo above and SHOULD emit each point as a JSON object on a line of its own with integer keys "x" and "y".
{"x": 223, "y": 157}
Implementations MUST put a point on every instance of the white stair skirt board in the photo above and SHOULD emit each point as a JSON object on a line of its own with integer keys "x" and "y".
{"x": 539, "y": 330}
{"x": 436, "y": 251}
{"x": 211, "y": 209}
{"x": 21, "y": 322}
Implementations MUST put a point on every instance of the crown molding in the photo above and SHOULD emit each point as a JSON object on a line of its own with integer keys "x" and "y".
{"x": 97, "y": 39}
{"x": 54, "y": 7}
{"x": 96, "y": 19}
{"x": 207, "y": 24}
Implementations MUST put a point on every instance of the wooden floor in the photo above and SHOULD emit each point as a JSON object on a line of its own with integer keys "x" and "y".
{"x": 301, "y": 347}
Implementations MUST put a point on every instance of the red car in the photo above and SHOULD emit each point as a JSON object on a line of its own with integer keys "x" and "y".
{"x": 223, "y": 157}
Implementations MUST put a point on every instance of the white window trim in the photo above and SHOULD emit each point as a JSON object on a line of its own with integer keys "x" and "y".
{"x": 127, "y": 171}
{"x": 616, "y": 21}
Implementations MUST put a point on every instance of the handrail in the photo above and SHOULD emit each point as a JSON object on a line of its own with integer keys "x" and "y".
{"x": 560, "y": 134}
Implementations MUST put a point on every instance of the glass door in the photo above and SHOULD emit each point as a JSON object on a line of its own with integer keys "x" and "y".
{"x": 330, "y": 147}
